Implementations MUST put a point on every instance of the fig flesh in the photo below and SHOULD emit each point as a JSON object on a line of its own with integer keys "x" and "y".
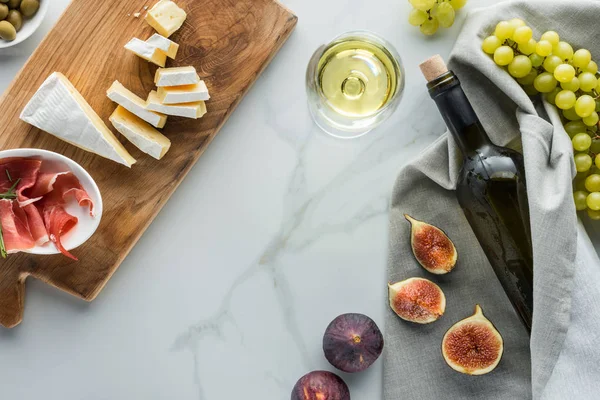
{"x": 417, "y": 300}
{"x": 473, "y": 346}
{"x": 352, "y": 342}
{"x": 320, "y": 385}
{"x": 432, "y": 248}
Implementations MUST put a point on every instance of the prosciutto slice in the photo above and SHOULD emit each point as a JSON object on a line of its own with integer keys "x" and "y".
{"x": 15, "y": 232}
{"x": 25, "y": 171}
{"x": 59, "y": 222}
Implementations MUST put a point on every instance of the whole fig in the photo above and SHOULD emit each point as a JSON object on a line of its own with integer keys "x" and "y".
{"x": 320, "y": 385}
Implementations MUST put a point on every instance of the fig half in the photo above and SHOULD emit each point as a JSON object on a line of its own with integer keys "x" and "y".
{"x": 320, "y": 385}
{"x": 352, "y": 342}
{"x": 431, "y": 247}
{"x": 417, "y": 300}
{"x": 473, "y": 346}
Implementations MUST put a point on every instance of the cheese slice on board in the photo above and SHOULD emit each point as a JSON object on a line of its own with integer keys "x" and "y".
{"x": 188, "y": 110}
{"x": 165, "y": 45}
{"x": 166, "y": 17}
{"x": 138, "y": 132}
{"x": 58, "y": 108}
{"x": 183, "y": 94}
{"x": 147, "y": 51}
{"x": 177, "y": 76}
{"x": 132, "y": 103}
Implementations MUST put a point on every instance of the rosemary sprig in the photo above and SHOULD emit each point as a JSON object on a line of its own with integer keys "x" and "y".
{"x": 8, "y": 175}
{"x": 2, "y": 247}
{"x": 11, "y": 194}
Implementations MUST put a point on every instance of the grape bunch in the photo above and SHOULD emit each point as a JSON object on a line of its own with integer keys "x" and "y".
{"x": 569, "y": 80}
{"x": 431, "y": 14}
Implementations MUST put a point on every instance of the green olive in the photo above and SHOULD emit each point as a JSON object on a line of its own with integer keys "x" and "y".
{"x": 3, "y": 11}
{"x": 14, "y": 4}
{"x": 16, "y": 19}
{"x": 29, "y": 7}
{"x": 7, "y": 31}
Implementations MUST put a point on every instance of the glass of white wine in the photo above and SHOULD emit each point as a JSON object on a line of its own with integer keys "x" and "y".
{"x": 354, "y": 84}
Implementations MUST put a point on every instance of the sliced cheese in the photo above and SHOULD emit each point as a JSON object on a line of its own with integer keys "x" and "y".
{"x": 147, "y": 51}
{"x": 183, "y": 94}
{"x": 178, "y": 76}
{"x": 58, "y": 108}
{"x": 138, "y": 132}
{"x": 132, "y": 103}
{"x": 165, "y": 45}
{"x": 188, "y": 110}
{"x": 166, "y": 17}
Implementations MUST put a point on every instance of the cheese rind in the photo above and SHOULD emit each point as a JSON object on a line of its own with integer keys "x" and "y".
{"x": 183, "y": 94}
{"x": 165, "y": 45}
{"x": 140, "y": 133}
{"x": 147, "y": 51}
{"x": 188, "y": 110}
{"x": 166, "y": 17}
{"x": 59, "y": 109}
{"x": 132, "y": 103}
{"x": 177, "y": 76}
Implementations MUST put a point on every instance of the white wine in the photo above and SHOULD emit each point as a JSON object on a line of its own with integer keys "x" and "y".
{"x": 357, "y": 77}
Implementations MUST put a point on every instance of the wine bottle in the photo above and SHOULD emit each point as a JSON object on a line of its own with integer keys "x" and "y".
{"x": 491, "y": 190}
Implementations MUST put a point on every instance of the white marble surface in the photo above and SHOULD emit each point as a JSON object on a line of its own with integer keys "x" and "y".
{"x": 276, "y": 230}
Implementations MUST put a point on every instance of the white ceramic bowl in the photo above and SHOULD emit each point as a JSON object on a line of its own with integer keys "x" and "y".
{"x": 87, "y": 225}
{"x": 30, "y": 25}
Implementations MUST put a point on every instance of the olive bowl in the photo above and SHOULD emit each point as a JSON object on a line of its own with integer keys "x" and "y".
{"x": 30, "y": 25}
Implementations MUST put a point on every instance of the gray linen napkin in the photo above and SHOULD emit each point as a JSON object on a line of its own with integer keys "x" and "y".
{"x": 561, "y": 361}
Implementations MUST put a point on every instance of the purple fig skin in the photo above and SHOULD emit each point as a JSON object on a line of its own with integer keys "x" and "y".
{"x": 320, "y": 385}
{"x": 352, "y": 342}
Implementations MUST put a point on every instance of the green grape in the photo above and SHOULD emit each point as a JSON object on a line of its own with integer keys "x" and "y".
{"x": 430, "y": 26}
{"x": 551, "y": 96}
{"x": 433, "y": 11}
{"x": 595, "y": 215}
{"x": 580, "y": 198}
{"x": 582, "y": 142}
{"x": 592, "y": 183}
{"x": 522, "y": 34}
{"x": 545, "y": 82}
{"x": 563, "y": 50}
{"x": 597, "y": 161}
{"x": 579, "y": 181}
{"x": 574, "y": 127}
{"x": 520, "y": 66}
{"x": 417, "y": 17}
{"x": 565, "y": 99}
{"x": 570, "y": 114}
{"x": 529, "y": 78}
{"x": 592, "y": 68}
{"x": 422, "y": 5}
{"x": 585, "y": 106}
{"x": 564, "y": 73}
{"x": 504, "y": 30}
{"x": 503, "y": 55}
{"x": 573, "y": 86}
{"x": 592, "y": 119}
{"x": 551, "y": 37}
{"x": 458, "y": 4}
{"x": 551, "y": 62}
{"x": 528, "y": 48}
{"x": 582, "y": 58}
{"x": 530, "y": 90}
{"x": 587, "y": 81}
{"x": 490, "y": 44}
{"x": 445, "y": 15}
{"x": 593, "y": 201}
{"x": 517, "y": 22}
{"x": 583, "y": 162}
{"x": 536, "y": 60}
{"x": 543, "y": 48}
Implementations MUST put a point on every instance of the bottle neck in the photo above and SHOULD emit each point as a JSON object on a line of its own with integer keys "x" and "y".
{"x": 458, "y": 114}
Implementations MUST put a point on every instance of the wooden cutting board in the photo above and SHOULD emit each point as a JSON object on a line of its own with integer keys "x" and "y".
{"x": 229, "y": 42}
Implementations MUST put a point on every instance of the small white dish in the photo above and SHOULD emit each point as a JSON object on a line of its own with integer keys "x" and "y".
{"x": 86, "y": 225}
{"x": 30, "y": 25}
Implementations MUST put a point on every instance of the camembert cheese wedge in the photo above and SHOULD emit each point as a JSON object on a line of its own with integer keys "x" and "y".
{"x": 147, "y": 51}
{"x": 166, "y": 17}
{"x": 177, "y": 76}
{"x": 132, "y": 103}
{"x": 183, "y": 94}
{"x": 138, "y": 132}
{"x": 188, "y": 110}
{"x": 58, "y": 108}
{"x": 165, "y": 45}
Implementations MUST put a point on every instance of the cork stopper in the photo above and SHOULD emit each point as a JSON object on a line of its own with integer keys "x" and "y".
{"x": 433, "y": 67}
